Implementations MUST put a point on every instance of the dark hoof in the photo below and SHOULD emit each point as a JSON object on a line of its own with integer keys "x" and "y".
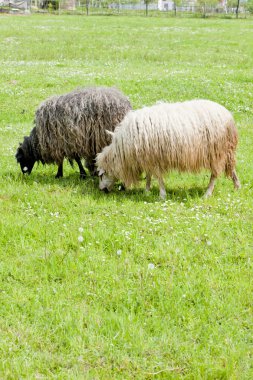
{"x": 122, "y": 187}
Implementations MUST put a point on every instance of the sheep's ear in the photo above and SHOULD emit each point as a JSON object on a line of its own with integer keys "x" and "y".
{"x": 101, "y": 172}
{"x": 110, "y": 133}
{"x": 19, "y": 154}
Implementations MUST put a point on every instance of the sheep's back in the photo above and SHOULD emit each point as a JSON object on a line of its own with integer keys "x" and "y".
{"x": 75, "y": 123}
{"x": 186, "y": 136}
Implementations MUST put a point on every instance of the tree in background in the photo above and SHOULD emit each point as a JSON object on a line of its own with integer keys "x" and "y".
{"x": 249, "y": 6}
{"x": 176, "y": 5}
{"x": 237, "y": 8}
{"x": 49, "y": 4}
{"x": 87, "y": 5}
{"x": 147, "y": 2}
{"x": 236, "y": 5}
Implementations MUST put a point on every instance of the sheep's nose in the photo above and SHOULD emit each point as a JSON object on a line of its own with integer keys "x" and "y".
{"x": 105, "y": 190}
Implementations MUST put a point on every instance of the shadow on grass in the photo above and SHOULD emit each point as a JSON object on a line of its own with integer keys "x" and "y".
{"x": 178, "y": 195}
{"x": 89, "y": 186}
{"x": 44, "y": 178}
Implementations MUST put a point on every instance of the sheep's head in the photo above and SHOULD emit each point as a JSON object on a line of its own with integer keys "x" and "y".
{"x": 25, "y": 156}
{"x": 106, "y": 182}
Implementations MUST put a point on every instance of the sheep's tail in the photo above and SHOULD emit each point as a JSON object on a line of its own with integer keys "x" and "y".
{"x": 230, "y": 161}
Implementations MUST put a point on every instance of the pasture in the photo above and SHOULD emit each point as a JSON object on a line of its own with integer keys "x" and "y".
{"x": 124, "y": 285}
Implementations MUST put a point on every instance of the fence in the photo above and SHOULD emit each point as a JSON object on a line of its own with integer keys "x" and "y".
{"x": 105, "y": 7}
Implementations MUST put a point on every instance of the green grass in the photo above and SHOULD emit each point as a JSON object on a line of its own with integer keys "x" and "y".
{"x": 155, "y": 289}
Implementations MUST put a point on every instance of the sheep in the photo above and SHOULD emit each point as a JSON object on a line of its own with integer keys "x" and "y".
{"x": 72, "y": 126}
{"x": 187, "y": 137}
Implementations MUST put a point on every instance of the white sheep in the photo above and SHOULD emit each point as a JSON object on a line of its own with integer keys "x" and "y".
{"x": 188, "y": 137}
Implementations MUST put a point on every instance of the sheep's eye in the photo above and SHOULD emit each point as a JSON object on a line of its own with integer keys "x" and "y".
{"x": 100, "y": 173}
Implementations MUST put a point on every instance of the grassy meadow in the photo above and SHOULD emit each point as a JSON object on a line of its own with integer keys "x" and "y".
{"x": 124, "y": 285}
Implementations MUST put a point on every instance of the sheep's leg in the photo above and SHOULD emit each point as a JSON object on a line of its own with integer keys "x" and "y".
{"x": 148, "y": 182}
{"x": 235, "y": 179}
{"x": 81, "y": 168}
{"x": 90, "y": 165}
{"x": 162, "y": 188}
{"x": 210, "y": 186}
{"x": 59, "y": 173}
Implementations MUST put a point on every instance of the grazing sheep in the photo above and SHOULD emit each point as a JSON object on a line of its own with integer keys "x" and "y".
{"x": 73, "y": 126}
{"x": 187, "y": 137}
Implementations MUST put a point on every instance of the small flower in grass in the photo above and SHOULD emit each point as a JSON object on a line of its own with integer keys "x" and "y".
{"x": 119, "y": 252}
{"x": 209, "y": 242}
{"x": 80, "y": 239}
{"x": 151, "y": 266}
{"x": 80, "y": 229}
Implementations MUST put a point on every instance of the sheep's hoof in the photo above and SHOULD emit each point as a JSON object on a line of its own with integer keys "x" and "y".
{"x": 208, "y": 194}
{"x": 163, "y": 195}
{"x": 122, "y": 187}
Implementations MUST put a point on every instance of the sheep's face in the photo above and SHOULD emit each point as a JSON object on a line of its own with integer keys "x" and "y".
{"x": 106, "y": 182}
{"x": 26, "y": 162}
